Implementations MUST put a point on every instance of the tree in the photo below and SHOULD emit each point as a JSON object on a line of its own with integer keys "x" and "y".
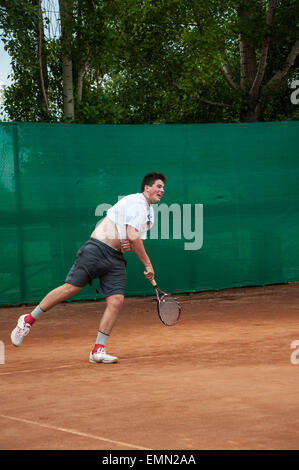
{"x": 187, "y": 45}
{"x": 66, "y": 15}
{"x": 51, "y": 74}
{"x": 23, "y": 37}
{"x": 149, "y": 61}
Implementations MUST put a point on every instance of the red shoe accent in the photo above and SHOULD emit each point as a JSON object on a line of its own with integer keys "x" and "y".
{"x": 96, "y": 347}
{"x": 29, "y": 319}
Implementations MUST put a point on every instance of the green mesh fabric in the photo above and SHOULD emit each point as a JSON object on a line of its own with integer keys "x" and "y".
{"x": 56, "y": 178}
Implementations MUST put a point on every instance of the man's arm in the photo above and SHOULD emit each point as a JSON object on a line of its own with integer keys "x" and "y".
{"x": 133, "y": 236}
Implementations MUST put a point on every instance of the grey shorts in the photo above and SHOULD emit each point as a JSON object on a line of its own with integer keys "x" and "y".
{"x": 96, "y": 260}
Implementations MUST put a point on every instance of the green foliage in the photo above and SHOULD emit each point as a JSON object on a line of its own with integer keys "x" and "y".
{"x": 151, "y": 61}
{"x": 19, "y": 20}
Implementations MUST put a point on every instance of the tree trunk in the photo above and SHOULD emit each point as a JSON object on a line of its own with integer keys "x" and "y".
{"x": 247, "y": 64}
{"x": 42, "y": 77}
{"x": 255, "y": 89}
{"x": 68, "y": 92}
{"x": 253, "y": 113}
{"x": 251, "y": 75}
{"x": 247, "y": 56}
{"x": 66, "y": 16}
{"x": 80, "y": 76}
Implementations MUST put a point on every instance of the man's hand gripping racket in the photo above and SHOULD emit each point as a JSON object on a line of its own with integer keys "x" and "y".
{"x": 169, "y": 310}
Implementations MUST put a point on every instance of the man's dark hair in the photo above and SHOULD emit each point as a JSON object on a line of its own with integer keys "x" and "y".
{"x": 150, "y": 178}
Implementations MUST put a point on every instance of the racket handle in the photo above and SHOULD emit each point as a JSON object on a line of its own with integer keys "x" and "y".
{"x": 153, "y": 282}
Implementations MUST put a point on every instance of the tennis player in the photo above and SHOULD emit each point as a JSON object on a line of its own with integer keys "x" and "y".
{"x": 101, "y": 257}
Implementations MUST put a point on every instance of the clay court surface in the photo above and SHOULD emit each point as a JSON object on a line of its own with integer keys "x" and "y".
{"x": 220, "y": 379}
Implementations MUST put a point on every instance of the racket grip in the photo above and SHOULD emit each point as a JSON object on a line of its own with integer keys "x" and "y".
{"x": 153, "y": 282}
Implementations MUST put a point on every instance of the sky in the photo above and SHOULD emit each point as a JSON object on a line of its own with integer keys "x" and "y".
{"x": 4, "y": 72}
{"x": 52, "y": 7}
{"x": 4, "y": 65}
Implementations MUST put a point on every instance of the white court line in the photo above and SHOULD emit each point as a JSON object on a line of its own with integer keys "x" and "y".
{"x": 25, "y": 371}
{"x": 76, "y": 433}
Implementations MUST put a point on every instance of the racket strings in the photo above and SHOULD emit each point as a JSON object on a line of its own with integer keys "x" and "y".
{"x": 169, "y": 310}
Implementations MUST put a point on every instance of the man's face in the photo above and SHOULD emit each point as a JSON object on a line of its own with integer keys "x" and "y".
{"x": 155, "y": 192}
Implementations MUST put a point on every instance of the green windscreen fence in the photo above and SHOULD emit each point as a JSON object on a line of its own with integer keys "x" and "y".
{"x": 229, "y": 216}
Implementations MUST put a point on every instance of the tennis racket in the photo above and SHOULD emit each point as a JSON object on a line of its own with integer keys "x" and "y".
{"x": 169, "y": 310}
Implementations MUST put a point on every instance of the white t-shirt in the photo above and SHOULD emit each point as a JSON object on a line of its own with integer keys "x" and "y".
{"x": 132, "y": 210}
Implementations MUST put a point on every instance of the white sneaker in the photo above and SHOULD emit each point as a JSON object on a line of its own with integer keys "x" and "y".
{"x": 21, "y": 330}
{"x": 101, "y": 356}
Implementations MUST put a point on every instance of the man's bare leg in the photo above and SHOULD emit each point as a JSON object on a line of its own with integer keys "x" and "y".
{"x": 108, "y": 320}
{"x": 53, "y": 298}
{"x": 111, "y": 313}
{"x": 58, "y": 295}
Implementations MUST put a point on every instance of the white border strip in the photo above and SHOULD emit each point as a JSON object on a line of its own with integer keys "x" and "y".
{"x": 72, "y": 431}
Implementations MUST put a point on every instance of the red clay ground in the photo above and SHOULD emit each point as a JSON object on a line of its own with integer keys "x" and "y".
{"x": 222, "y": 378}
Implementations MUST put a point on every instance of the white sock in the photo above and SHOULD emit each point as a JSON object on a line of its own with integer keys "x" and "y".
{"x": 101, "y": 338}
{"x": 37, "y": 312}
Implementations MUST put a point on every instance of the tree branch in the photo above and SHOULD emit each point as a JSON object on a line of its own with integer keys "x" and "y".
{"x": 264, "y": 54}
{"x": 196, "y": 16}
{"x": 227, "y": 73}
{"x": 82, "y": 68}
{"x": 278, "y": 76}
{"x": 213, "y": 103}
{"x": 203, "y": 100}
